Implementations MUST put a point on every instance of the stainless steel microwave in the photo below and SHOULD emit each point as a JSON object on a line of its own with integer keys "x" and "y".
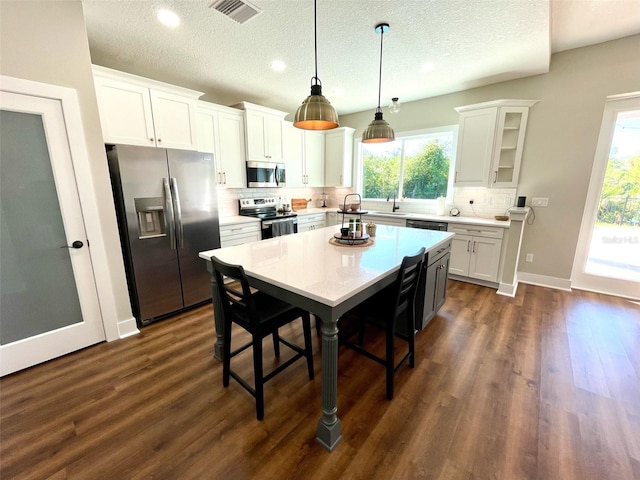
{"x": 266, "y": 174}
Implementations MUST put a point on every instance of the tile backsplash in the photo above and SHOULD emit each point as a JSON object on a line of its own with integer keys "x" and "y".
{"x": 487, "y": 202}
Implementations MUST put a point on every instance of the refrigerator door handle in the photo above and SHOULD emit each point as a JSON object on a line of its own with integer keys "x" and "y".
{"x": 177, "y": 212}
{"x": 169, "y": 215}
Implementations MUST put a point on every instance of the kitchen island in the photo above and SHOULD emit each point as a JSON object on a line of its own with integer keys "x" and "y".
{"x": 309, "y": 271}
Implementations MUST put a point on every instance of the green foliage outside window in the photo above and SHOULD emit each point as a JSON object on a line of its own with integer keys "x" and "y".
{"x": 620, "y": 197}
{"x": 425, "y": 173}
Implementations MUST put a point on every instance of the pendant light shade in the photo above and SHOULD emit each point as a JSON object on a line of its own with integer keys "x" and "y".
{"x": 379, "y": 130}
{"x": 316, "y": 112}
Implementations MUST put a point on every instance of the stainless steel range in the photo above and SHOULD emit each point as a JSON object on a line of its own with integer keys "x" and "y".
{"x": 274, "y": 224}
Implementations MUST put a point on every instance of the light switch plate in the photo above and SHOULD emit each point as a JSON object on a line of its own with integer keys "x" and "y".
{"x": 539, "y": 202}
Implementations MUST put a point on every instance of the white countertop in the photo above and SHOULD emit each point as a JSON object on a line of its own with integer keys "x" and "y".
{"x": 306, "y": 263}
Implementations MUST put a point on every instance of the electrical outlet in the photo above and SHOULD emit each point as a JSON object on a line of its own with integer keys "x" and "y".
{"x": 539, "y": 202}
{"x": 529, "y": 257}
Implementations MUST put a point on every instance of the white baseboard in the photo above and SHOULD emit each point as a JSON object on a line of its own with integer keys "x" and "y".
{"x": 127, "y": 328}
{"x": 545, "y": 281}
{"x": 508, "y": 289}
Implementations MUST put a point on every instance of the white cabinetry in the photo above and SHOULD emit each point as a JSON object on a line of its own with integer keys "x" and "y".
{"x": 385, "y": 220}
{"x": 333, "y": 218}
{"x": 221, "y": 132}
{"x": 139, "y": 111}
{"x": 475, "y": 251}
{"x": 303, "y": 154}
{"x": 338, "y": 157}
{"x": 311, "y": 222}
{"x": 314, "y": 158}
{"x": 490, "y": 141}
{"x": 263, "y": 132}
{"x": 239, "y": 233}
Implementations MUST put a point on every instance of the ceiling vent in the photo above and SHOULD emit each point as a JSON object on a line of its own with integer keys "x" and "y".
{"x": 238, "y": 10}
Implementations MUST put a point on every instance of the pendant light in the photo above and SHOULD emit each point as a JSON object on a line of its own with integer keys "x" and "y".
{"x": 379, "y": 130}
{"x": 316, "y": 112}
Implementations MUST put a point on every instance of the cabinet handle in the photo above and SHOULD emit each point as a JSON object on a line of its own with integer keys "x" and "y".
{"x": 468, "y": 245}
{"x": 159, "y": 140}
{"x": 495, "y": 176}
{"x": 474, "y": 247}
{"x": 224, "y": 176}
{"x": 151, "y": 139}
{"x": 455, "y": 178}
{"x": 219, "y": 178}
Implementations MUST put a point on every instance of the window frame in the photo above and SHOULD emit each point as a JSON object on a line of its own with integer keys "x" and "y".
{"x": 410, "y": 135}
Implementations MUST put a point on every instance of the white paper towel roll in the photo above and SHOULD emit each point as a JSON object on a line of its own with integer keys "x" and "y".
{"x": 441, "y": 208}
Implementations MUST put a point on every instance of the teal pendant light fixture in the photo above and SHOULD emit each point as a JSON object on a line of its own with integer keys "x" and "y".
{"x": 316, "y": 112}
{"x": 379, "y": 130}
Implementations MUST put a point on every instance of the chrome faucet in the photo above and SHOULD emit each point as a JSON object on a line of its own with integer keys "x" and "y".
{"x": 395, "y": 207}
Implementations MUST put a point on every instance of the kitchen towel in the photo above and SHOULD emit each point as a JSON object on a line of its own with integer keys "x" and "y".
{"x": 283, "y": 227}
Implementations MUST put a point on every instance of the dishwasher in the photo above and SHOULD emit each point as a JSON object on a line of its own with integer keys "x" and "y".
{"x": 428, "y": 225}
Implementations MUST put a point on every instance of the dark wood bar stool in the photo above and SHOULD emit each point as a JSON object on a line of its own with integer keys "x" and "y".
{"x": 395, "y": 304}
{"x": 260, "y": 315}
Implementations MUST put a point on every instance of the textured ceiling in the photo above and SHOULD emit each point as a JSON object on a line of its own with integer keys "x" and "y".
{"x": 469, "y": 43}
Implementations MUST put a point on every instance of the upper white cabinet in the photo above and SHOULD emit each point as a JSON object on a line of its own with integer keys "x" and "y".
{"x": 338, "y": 157}
{"x": 490, "y": 141}
{"x": 293, "y": 154}
{"x": 139, "y": 111}
{"x": 221, "y": 132}
{"x": 263, "y": 128}
{"x": 314, "y": 158}
{"x": 303, "y": 154}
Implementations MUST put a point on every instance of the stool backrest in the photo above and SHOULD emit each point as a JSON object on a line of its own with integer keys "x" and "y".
{"x": 235, "y": 302}
{"x": 407, "y": 282}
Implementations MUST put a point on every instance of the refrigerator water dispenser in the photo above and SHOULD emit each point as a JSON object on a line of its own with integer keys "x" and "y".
{"x": 150, "y": 212}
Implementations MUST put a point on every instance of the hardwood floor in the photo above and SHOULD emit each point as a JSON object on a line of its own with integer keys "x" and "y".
{"x": 542, "y": 386}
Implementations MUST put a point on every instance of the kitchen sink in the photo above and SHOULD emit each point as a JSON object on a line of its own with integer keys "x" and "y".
{"x": 391, "y": 214}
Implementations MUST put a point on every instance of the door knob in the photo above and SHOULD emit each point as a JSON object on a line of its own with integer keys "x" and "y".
{"x": 76, "y": 244}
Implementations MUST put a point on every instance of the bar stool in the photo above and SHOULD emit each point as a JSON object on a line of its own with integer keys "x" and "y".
{"x": 260, "y": 315}
{"x": 394, "y": 304}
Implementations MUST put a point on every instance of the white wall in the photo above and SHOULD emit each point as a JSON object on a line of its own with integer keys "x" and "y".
{"x": 560, "y": 143}
{"x": 47, "y": 42}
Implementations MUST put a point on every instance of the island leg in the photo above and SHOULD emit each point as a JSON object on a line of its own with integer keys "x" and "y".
{"x": 217, "y": 315}
{"x": 329, "y": 424}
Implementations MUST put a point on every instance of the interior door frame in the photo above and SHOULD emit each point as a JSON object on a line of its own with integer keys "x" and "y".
{"x": 579, "y": 278}
{"x": 111, "y": 326}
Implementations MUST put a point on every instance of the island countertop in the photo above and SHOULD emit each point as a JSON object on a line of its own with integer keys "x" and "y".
{"x": 308, "y": 264}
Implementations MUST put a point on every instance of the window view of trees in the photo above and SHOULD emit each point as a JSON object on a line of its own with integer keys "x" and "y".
{"x": 419, "y": 164}
{"x": 620, "y": 198}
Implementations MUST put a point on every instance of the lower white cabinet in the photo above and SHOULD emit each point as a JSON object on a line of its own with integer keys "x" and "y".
{"x": 333, "y": 218}
{"x": 239, "y": 233}
{"x": 475, "y": 251}
{"x": 311, "y": 222}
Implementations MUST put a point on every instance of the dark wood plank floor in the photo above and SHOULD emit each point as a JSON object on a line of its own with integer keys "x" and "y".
{"x": 542, "y": 386}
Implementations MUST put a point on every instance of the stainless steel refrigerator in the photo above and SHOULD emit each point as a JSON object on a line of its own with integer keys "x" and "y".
{"x": 167, "y": 212}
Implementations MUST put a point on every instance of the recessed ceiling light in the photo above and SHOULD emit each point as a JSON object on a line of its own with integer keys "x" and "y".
{"x": 278, "y": 65}
{"x": 168, "y": 18}
{"x": 427, "y": 67}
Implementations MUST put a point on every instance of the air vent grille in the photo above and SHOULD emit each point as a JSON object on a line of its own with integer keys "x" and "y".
{"x": 238, "y": 10}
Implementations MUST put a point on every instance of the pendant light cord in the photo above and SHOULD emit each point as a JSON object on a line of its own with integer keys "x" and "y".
{"x": 380, "y": 74}
{"x": 315, "y": 38}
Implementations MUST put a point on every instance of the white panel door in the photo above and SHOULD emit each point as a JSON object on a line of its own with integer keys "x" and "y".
{"x": 48, "y": 298}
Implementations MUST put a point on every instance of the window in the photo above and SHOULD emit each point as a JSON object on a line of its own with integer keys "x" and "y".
{"x": 417, "y": 165}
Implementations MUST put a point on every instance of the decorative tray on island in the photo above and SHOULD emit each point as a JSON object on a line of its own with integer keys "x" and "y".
{"x": 347, "y": 240}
